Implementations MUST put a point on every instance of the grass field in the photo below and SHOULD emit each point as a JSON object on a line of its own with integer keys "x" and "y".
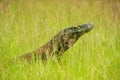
{"x": 25, "y": 25}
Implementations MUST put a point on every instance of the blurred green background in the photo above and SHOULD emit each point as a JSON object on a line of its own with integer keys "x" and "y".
{"x": 25, "y": 25}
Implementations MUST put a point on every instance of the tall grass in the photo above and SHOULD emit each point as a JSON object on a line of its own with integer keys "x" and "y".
{"x": 25, "y": 25}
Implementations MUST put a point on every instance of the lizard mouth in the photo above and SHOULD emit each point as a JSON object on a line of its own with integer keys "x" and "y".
{"x": 86, "y": 27}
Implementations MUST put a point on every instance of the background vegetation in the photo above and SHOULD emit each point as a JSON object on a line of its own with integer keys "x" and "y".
{"x": 25, "y": 25}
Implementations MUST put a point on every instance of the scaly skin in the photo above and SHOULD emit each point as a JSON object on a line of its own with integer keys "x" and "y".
{"x": 59, "y": 43}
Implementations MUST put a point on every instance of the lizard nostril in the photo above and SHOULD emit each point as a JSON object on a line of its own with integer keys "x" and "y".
{"x": 90, "y": 25}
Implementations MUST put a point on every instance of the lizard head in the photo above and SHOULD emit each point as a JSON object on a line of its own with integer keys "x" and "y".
{"x": 80, "y": 30}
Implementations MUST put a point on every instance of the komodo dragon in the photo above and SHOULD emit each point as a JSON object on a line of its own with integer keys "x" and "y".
{"x": 59, "y": 43}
